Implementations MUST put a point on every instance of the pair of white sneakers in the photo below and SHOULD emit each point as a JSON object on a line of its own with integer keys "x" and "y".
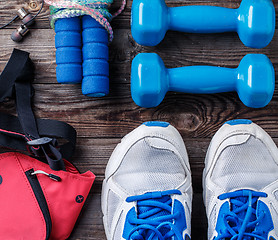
{"x": 147, "y": 191}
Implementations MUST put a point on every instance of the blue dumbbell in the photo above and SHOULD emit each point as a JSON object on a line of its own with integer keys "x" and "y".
{"x": 68, "y": 42}
{"x": 95, "y": 58}
{"x": 254, "y": 21}
{"x": 254, "y": 80}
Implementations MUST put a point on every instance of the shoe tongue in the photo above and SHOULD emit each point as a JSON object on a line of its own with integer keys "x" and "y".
{"x": 141, "y": 210}
{"x": 242, "y": 214}
{"x": 163, "y": 199}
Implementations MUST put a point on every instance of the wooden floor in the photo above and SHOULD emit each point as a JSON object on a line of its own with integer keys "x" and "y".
{"x": 102, "y": 122}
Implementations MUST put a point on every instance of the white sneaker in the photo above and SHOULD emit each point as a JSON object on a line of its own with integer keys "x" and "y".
{"x": 241, "y": 183}
{"x": 147, "y": 191}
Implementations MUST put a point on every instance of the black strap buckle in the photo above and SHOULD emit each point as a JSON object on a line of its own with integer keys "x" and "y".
{"x": 39, "y": 141}
{"x": 35, "y": 146}
{"x": 48, "y": 148}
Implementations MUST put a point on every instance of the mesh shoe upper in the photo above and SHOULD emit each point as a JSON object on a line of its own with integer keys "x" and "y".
{"x": 240, "y": 180}
{"x": 150, "y": 165}
{"x": 144, "y": 177}
{"x": 242, "y": 164}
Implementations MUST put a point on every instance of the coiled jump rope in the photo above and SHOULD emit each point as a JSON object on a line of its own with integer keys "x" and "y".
{"x": 83, "y": 32}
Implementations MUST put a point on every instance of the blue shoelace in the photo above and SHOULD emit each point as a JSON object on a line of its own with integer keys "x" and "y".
{"x": 241, "y": 221}
{"x": 154, "y": 220}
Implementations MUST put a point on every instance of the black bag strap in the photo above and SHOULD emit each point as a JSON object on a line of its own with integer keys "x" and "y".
{"x": 25, "y": 130}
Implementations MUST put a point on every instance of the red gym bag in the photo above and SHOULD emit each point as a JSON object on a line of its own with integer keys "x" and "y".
{"x": 41, "y": 197}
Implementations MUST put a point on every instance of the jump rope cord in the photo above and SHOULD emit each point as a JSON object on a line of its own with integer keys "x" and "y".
{"x": 97, "y": 9}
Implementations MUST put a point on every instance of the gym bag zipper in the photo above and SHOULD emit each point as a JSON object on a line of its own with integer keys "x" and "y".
{"x": 34, "y": 182}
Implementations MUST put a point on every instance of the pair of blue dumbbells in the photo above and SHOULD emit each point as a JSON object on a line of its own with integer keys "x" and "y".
{"x": 254, "y": 79}
{"x": 82, "y": 54}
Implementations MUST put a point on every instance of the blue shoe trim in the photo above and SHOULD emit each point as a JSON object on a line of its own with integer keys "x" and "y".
{"x": 157, "y": 217}
{"x": 128, "y": 226}
{"x": 243, "y": 216}
{"x": 238, "y": 122}
{"x": 156, "y": 124}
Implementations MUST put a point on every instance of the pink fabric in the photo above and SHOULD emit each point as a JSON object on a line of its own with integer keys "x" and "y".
{"x": 20, "y": 214}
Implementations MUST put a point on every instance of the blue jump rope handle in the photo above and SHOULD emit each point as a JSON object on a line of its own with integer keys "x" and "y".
{"x": 95, "y": 58}
{"x": 68, "y": 42}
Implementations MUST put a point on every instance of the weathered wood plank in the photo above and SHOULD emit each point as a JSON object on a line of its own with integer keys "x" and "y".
{"x": 196, "y": 116}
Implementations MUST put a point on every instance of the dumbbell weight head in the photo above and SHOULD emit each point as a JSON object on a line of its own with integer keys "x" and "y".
{"x": 256, "y": 24}
{"x": 149, "y": 21}
{"x": 149, "y": 80}
{"x": 255, "y": 80}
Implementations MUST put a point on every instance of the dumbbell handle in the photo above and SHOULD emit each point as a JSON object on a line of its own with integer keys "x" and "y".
{"x": 202, "y": 19}
{"x": 191, "y": 79}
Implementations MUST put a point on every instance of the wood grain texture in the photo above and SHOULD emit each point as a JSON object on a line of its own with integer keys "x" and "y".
{"x": 102, "y": 122}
